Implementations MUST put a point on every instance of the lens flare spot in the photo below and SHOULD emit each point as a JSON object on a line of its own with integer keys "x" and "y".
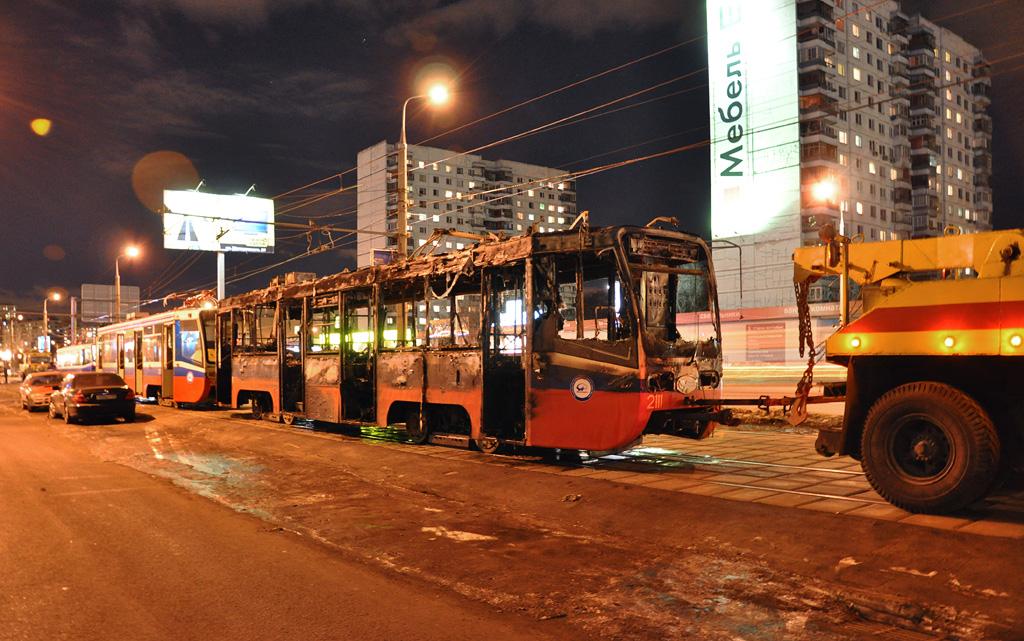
{"x": 162, "y": 170}
{"x": 41, "y": 126}
{"x": 54, "y": 252}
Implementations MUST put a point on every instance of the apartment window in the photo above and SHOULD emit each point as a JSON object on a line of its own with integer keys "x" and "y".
{"x": 872, "y": 168}
{"x": 855, "y": 30}
{"x": 843, "y": 160}
{"x": 860, "y": 207}
{"x": 843, "y": 137}
{"x": 857, "y": 140}
{"x": 855, "y": 52}
{"x": 856, "y": 73}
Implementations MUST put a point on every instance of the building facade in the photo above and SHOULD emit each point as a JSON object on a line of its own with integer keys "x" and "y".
{"x": 460, "y": 192}
{"x": 893, "y": 136}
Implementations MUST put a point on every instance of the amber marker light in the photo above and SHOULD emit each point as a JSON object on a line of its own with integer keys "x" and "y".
{"x": 948, "y": 342}
{"x": 1015, "y": 340}
{"x": 855, "y": 342}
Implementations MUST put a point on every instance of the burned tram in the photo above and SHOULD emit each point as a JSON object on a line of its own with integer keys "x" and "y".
{"x": 557, "y": 340}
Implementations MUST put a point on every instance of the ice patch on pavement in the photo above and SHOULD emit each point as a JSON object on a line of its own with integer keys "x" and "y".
{"x": 457, "y": 535}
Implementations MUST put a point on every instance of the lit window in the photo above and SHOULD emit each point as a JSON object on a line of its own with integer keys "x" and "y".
{"x": 519, "y": 227}
{"x": 959, "y": 118}
{"x": 842, "y": 160}
{"x": 949, "y": 113}
{"x": 551, "y": 219}
{"x": 448, "y": 168}
{"x": 960, "y": 174}
{"x": 855, "y": 30}
{"x": 856, "y": 52}
{"x": 948, "y": 76}
{"x": 892, "y": 173}
{"x": 561, "y": 220}
{"x": 529, "y": 192}
{"x": 860, "y": 207}
{"x": 532, "y": 217}
{"x": 447, "y": 245}
{"x": 421, "y": 164}
{"x": 561, "y": 185}
{"x": 843, "y": 137}
{"x": 872, "y": 168}
{"x": 841, "y": 69}
{"x": 856, "y": 73}
{"x": 472, "y": 184}
{"x": 949, "y": 132}
{"x": 949, "y": 94}
{"x": 949, "y": 190}
{"x": 857, "y": 141}
{"x": 434, "y": 166}
{"x": 436, "y": 218}
{"x": 447, "y": 194}
{"x": 542, "y": 206}
{"x": 459, "y": 245}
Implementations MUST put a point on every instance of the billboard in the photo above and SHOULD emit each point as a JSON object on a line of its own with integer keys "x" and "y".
{"x": 218, "y": 223}
{"x": 755, "y": 134}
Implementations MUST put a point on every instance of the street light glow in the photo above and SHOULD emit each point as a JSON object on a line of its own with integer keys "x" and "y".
{"x": 823, "y": 191}
{"x": 55, "y": 296}
{"x": 438, "y": 94}
{"x": 131, "y": 251}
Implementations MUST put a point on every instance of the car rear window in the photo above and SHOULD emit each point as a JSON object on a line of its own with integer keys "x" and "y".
{"x": 98, "y": 380}
{"x": 49, "y": 379}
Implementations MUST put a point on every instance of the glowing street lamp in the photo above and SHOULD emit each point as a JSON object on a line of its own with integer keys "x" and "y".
{"x": 438, "y": 95}
{"x": 55, "y": 296}
{"x": 130, "y": 251}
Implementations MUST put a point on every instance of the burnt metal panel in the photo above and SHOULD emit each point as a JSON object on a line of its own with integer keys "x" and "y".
{"x": 323, "y": 388}
{"x": 248, "y": 367}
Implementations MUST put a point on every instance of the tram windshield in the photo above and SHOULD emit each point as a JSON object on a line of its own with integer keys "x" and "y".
{"x": 674, "y": 282}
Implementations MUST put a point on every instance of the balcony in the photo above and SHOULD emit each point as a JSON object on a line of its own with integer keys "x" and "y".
{"x": 567, "y": 197}
{"x": 922, "y": 40}
{"x": 820, "y": 33}
{"x": 817, "y": 127}
{"x": 813, "y": 151}
{"x": 901, "y": 196}
{"x": 817, "y": 103}
{"x": 898, "y": 24}
{"x": 814, "y": 11}
{"x": 817, "y": 79}
{"x": 981, "y": 90}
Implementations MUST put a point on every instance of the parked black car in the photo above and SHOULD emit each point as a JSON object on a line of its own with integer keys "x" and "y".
{"x": 93, "y": 394}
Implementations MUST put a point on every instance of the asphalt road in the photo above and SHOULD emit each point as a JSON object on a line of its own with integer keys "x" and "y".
{"x": 207, "y": 524}
{"x": 90, "y": 549}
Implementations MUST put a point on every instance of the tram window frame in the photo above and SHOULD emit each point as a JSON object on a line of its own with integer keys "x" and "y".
{"x": 454, "y": 319}
{"x": 557, "y": 303}
{"x": 394, "y": 297}
{"x": 320, "y": 317}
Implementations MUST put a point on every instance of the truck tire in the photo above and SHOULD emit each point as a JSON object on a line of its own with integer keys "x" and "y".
{"x": 929, "y": 448}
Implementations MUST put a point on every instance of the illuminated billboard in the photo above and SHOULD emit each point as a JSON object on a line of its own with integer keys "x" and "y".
{"x": 211, "y": 222}
{"x": 755, "y": 135}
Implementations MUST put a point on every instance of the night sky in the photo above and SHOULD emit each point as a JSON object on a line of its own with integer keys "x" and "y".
{"x": 284, "y": 93}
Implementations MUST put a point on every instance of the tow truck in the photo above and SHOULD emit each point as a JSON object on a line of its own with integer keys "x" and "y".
{"x": 932, "y": 405}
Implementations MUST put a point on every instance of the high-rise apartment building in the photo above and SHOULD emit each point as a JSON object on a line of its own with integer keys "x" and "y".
{"x": 462, "y": 192}
{"x": 889, "y": 133}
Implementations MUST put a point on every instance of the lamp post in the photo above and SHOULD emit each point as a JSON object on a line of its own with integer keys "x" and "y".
{"x": 129, "y": 252}
{"x": 438, "y": 95}
{"x": 46, "y": 319}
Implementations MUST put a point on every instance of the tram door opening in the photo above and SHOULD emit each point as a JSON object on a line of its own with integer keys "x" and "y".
{"x": 139, "y": 358}
{"x": 292, "y": 380}
{"x": 224, "y": 341}
{"x": 167, "y": 365}
{"x": 504, "y": 380}
{"x": 357, "y": 380}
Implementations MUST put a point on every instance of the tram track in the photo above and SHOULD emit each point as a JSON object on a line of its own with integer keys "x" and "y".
{"x": 777, "y": 469}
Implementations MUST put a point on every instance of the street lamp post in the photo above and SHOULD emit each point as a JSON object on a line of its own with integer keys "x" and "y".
{"x": 437, "y": 95}
{"x": 129, "y": 252}
{"x": 46, "y": 318}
